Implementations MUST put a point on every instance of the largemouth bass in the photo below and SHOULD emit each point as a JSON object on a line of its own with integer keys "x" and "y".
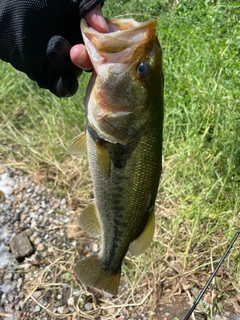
{"x": 124, "y": 111}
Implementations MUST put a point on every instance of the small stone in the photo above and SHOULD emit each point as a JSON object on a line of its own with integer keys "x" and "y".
{"x": 37, "y": 206}
{"x": 70, "y": 301}
{"x": 21, "y": 295}
{"x": 37, "y": 241}
{"x": 10, "y": 298}
{"x": 76, "y": 293}
{"x": 58, "y": 304}
{"x": 236, "y": 318}
{"x": 95, "y": 247}
{"x": 43, "y": 205}
{"x": 37, "y": 308}
{"x": 40, "y": 247}
{"x": 19, "y": 283}
{"x": 59, "y": 296}
{"x": 20, "y": 246}
{"x": 60, "y": 309}
{"x": 29, "y": 232}
{"x": 63, "y": 202}
{"x": 88, "y": 306}
{"x": 8, "y": 276}
{"x": 37, "y": 294}
{"x": 66, "y": 310}
{"x": 21, "y": 305}
{"x": 8, "y": 308}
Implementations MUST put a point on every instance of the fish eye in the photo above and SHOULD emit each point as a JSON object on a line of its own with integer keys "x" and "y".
{"x": 142, "y": 69}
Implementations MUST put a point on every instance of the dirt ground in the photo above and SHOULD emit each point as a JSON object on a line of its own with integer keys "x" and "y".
{"x": 179, "y": 308}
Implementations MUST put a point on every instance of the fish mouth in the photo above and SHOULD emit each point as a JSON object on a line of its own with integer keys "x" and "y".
{"x": 120, "y": 43}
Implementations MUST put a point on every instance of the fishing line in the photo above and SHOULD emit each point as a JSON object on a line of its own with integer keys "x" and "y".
{"x": 212, "y": 276}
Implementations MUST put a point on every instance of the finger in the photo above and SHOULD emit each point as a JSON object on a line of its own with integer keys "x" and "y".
{"x": 96, "y": 20}
{"x": 80, "y": 57}
{"x": 58, "y": 54}
{"x": 65, "y": 86}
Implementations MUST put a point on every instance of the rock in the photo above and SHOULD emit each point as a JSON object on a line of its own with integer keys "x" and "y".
{"x": 236, "y": 318}
{"x": 70, "y": 301}
{"x": 37, "y": 308}
{"x": 37, "y": 294}
{"x": 21, "y": 295}
{"x": 88, "y": 306}
{"x": 8, "y": 276}
{"x": 40, "y": 247}
{"x": 37, "y": 241}
{"x": 60, "y": 309}
{"x": 21, "y": 247}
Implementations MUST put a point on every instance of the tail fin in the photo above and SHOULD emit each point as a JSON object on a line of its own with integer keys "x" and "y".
{"x": 89, "y": 271}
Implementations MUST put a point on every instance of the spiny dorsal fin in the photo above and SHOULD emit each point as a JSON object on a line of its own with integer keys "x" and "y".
{"x": 139, "y": 245}
{"x": 88, "y": 220}
{"x": 78, "y": 146}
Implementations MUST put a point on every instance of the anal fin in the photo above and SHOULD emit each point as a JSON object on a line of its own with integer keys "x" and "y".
{"x": 88, "y": 220}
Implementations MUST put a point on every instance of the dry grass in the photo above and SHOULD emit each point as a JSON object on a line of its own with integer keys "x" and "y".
{"x": 147, "y": 283}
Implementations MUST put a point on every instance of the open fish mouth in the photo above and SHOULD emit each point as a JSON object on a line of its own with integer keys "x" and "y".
{"x": 120, "y": 43}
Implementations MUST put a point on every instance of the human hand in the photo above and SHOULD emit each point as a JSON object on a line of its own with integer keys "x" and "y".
{"x": 78, "y": 53}
{"x": 36, "y": 37}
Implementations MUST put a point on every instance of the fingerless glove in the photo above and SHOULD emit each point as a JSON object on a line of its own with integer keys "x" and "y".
{"x": 36, "y": 37}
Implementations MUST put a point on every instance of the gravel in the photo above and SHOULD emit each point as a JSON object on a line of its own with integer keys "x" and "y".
{"x": 32, "y": 228}
{"x": 37, "y": 254}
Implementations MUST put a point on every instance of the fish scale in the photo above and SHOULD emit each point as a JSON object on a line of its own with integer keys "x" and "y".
{"x": 124, "y": 112}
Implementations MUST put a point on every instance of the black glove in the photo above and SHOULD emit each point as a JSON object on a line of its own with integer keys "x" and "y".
{"x": 36, "y": 37}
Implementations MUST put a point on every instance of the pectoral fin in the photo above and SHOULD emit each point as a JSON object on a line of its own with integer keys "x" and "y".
{"x": 139, "y": 245}
{"x": 103, "y": 161}
{"x": 78, "y": 146}
{"x": 88, "y": 220}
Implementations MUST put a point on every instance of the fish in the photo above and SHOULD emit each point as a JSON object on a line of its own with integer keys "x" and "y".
{"x": 124, "y": 109}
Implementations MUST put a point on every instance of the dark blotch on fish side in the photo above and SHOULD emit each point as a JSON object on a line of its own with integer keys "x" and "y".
{"x": 119, "y": 154}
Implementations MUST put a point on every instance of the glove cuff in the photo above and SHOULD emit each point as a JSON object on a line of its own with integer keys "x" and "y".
{"x": 86, "y": 6}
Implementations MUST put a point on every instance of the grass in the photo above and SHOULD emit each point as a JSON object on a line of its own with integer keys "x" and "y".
{"x": 199, "y": 198}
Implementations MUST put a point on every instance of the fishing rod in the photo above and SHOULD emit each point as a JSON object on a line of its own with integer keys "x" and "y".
{"x": 212, "y": 276}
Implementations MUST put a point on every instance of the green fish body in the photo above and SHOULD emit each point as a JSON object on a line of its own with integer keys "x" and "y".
{"x": 124, "y": 109}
